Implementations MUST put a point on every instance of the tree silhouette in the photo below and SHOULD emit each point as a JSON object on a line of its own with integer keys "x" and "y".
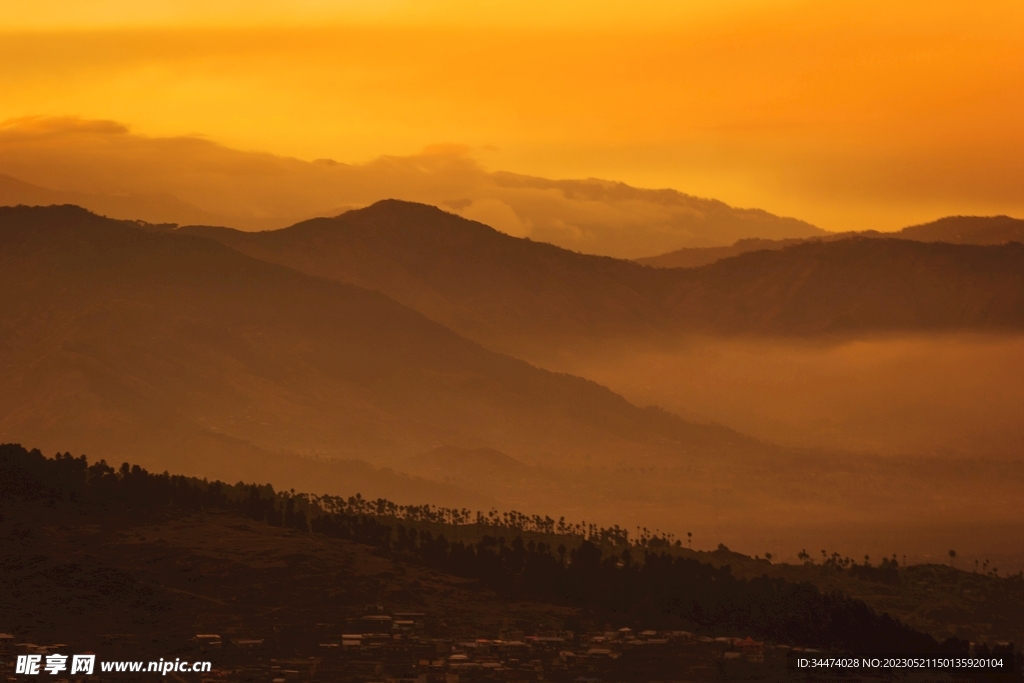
{"x": 634, "y": 585}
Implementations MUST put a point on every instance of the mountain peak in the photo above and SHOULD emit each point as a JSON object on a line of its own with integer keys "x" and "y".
{"x": 400, "y": 206}
{"x": 416, "y": 217}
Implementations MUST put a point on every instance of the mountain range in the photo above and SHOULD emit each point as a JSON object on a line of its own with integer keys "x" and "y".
{"x": 121, "y": 337}
{"x": 103, "y": 166}
{"x": 513, "y": 293}
{"x": 986, "y": 230}
{"x": 380, "y": 351}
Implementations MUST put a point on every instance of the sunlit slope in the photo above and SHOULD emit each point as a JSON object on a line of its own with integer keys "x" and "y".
{"x": 114, "y": 335}
{"x": 500, "y": 289}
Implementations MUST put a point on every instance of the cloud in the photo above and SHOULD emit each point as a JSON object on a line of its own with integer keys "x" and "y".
{"x": 108, "y": 168}
{"x": 498, "y": 215}
{"x": 61, "y": 125}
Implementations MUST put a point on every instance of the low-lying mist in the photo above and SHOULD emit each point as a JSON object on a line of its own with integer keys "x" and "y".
{"x": 910, "y": 444}
{"x": 943, "y": 394}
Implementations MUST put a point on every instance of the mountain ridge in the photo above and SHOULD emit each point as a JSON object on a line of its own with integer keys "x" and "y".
{"x": 980, "y": 230}
{"x": 181, "y": 352}
{"x": 189, "y": 331}
{"x": 119, "y": 172}
{"x": 510, "y": 293}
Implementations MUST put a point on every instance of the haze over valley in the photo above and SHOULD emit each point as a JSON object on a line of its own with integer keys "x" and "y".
{"x": 380, "y": 352}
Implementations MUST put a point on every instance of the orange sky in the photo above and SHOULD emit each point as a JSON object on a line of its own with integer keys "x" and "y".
{"x": 848, "y": 115}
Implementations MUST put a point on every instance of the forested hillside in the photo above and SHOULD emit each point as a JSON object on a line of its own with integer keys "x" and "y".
{"x": 637, "y": 584}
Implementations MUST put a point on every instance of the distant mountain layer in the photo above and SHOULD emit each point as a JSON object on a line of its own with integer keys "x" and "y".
{"x": 858, "y": 284}
{"x": 104, "y": 167}
{"x": 123, "y": 340}
{"x": 156, "y": 208}
{"x": 694, "y": 257}
{"x": 988, "y": 230}
{"x": 506, "y": 292}
{"x": 142, "y": 342}
{"x": 463, "y": 274}
{"x": 967, "y": 230}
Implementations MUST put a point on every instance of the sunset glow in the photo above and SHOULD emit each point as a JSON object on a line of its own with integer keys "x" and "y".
{"x": 874, "y": 115}
{"x": 496, "y": 341}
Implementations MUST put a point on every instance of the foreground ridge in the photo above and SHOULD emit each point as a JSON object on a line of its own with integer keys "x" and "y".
{"x": 653, "y": 587}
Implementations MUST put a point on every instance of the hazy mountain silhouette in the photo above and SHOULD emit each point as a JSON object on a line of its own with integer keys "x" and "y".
{"x": 694, "y": 257}
{"x": 466, "y": 275}
{"x": 120, "y": 339}
{"x": 482, "y": 460}
{"x": 154, "y": 207}
{"x": 510, "y": 292}
{"x": 967, "y": 230}
{"x": 486, "y": 469}
{"x": 141, "y": 343}
{"x": 858, "y": 284}
{"x": 987, "y": 230}
{"x": 192, "y": 180}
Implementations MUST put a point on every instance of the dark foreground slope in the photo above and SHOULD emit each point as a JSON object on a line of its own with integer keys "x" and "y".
{"x": 510, "y": 293}
{"x": 120, "y": 338}
{"x": 130, "y": 565}
{"x": 122, "y": 573}
{"x": 645, "y": 586}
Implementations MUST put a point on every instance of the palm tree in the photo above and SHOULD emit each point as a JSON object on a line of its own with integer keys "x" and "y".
{"x": 952, "y": 556}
